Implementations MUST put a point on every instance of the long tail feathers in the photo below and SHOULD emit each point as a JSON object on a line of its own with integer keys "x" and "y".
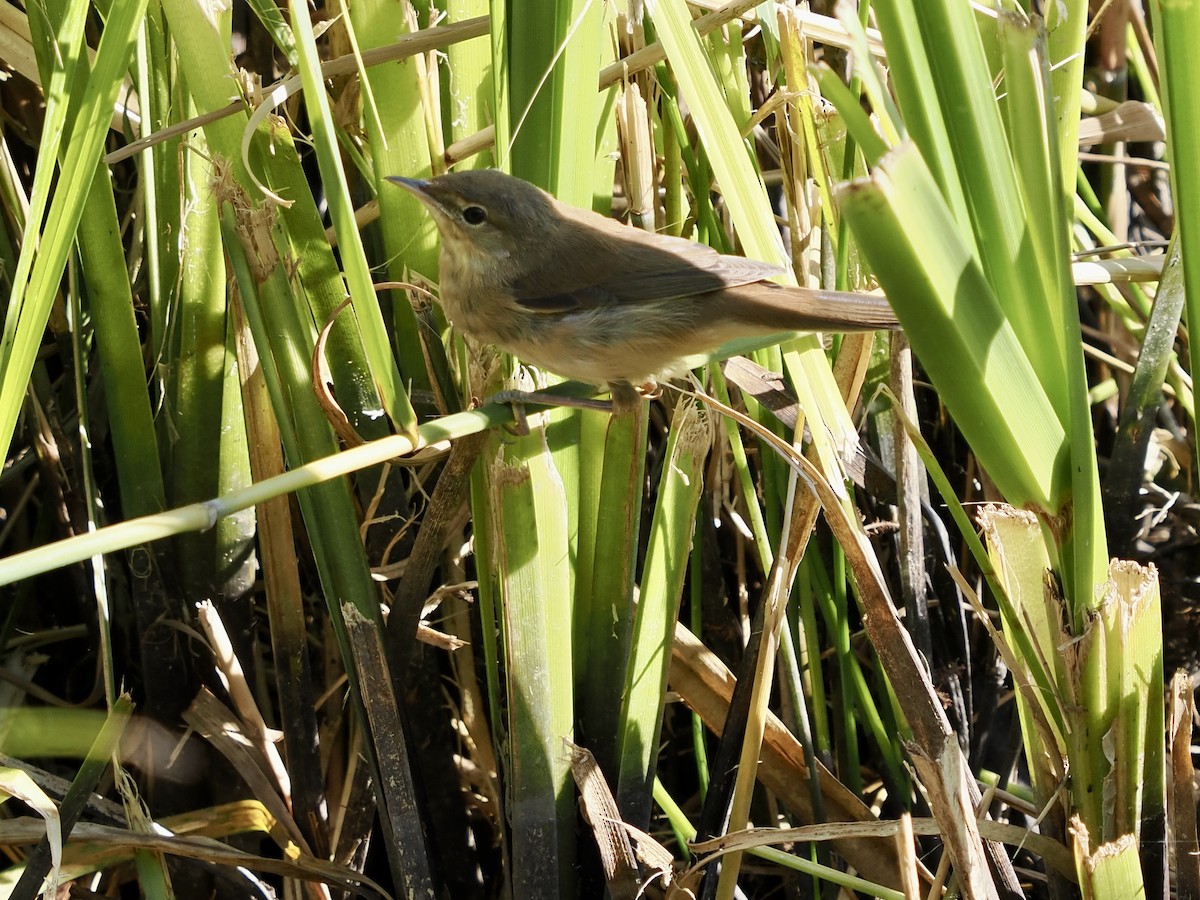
{"x": 801, "y": 309}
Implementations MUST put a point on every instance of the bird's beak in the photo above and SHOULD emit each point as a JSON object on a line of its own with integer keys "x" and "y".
{"x": 412, "y": 185}
{"x": 427, "y": 193}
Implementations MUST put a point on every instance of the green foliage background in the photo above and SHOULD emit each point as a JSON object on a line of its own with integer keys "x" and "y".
{"x": 245, "y": 461}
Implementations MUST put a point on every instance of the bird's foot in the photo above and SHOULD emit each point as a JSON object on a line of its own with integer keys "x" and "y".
{"x": 650, "y": 390}
{"x": 518, "y": 399}
{"x": 627, "y": 397}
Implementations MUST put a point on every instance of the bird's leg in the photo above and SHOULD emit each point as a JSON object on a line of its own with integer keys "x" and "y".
{"x": 648, "y": 390}
{"x": 548, "y": 398}
{"x": 518, "y": 399}
{"x": 626, "y": 398}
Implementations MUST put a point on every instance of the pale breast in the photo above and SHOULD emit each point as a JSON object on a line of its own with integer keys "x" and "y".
{"x": 630, "y": 342}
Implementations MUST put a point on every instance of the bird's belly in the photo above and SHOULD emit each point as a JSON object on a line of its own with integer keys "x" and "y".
{"x": 596, "y": 366}
{"x": 601, "y": 346}
{"x": 631, "y": 342}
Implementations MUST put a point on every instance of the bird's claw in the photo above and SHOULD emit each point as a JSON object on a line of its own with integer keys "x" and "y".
{"x": 651, "y": 390}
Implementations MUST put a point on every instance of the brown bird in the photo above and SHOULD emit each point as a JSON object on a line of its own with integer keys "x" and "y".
{"x": 588, "y": 298}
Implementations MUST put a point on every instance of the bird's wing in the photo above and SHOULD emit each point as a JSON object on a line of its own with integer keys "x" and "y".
{"x": 613, "y": 264}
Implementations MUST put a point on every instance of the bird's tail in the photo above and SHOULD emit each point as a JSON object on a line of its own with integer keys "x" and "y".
{"x": 779, "y": 308}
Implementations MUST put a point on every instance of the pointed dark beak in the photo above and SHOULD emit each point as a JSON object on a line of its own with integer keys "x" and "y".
{"x": 412, "y": 185}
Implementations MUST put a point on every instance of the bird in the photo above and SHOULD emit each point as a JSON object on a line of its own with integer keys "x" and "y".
{"x": 588, "y": 298}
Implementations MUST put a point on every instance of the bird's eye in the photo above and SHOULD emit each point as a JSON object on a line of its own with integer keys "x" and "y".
{"x": 474, "y": 215}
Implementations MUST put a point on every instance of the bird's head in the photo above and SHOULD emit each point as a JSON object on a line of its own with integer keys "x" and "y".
{"x": 485, "y": 215}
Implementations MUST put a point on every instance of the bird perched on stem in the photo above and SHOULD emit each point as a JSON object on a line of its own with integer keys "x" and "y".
{"x": 588, "y": 298}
